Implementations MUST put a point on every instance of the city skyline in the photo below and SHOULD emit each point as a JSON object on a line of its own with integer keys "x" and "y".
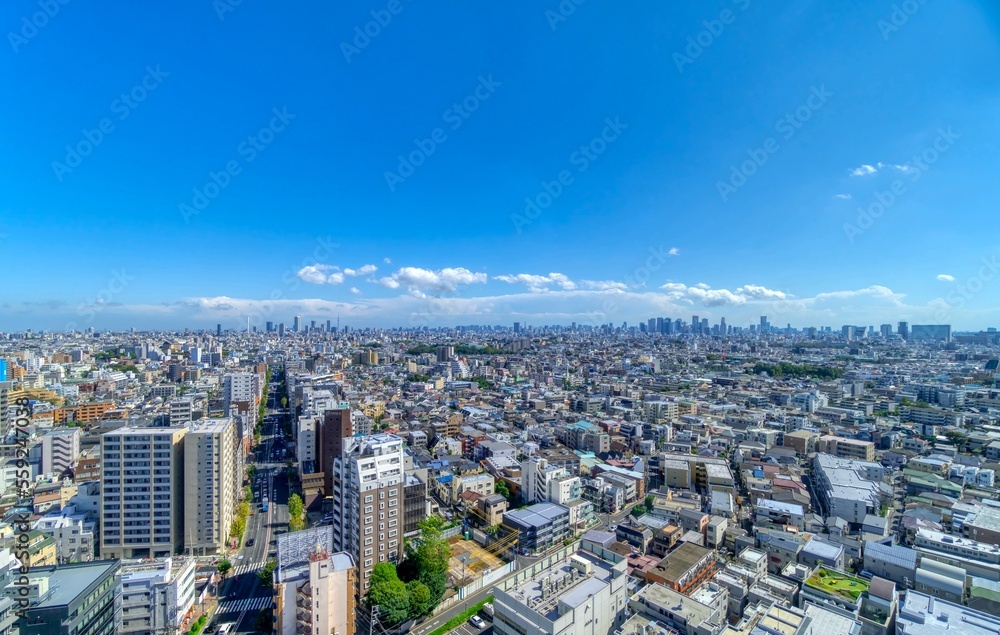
{"x": 821, "y": 165}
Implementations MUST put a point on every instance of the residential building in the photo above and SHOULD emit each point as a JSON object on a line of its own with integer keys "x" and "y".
{"x": 539, "y": 526}
{"x": 921, "y": 614}
{"x": 314, "y": 588}
{"x": 687, "y": 616}
{"x": 684, "y": 568}
{"x": 142, "y": 485}
{"x": 368, "y": 486}
{"x": 213, "y": 467}
{"x": 157, "y": 595}
{"x": 60, "y": 449}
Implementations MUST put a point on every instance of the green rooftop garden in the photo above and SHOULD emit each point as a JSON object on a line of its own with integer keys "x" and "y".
{"x": 838, "y": 584}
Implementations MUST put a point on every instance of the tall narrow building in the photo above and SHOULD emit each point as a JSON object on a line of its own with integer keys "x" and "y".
{"x": 213, "y": 466}
{"x": 314, "y": 588}
{"x": 334, "y": 434}
{"x": 368, "y": 502}
{"x": 142, "y": 484}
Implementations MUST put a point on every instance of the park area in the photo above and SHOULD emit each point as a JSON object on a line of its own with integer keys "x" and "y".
{"x": 838, "y": 584}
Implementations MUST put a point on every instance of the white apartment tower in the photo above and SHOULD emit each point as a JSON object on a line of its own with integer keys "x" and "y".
{"x": 180, "y": 411}
{"x": 241, "y": 395}
{"x": 60, "y": 449}
{"x": 142, "y": 484}
{"x": 213, "y": 468}
{"x": 368, "y": 482}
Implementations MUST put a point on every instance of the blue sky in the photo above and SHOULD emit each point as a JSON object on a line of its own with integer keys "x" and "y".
{"x": 818, "y": 164}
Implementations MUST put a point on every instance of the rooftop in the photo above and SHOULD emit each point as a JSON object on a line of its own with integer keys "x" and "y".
{"x": 922, "y": 614}
{"x": 837, "y": 584}
{"x": 564, "y": 583}
{"x": 675, "y": 564}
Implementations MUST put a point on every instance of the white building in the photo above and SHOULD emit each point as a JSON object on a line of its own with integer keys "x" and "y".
{"x": 180, "y": 411}
{"x": 60, "y": 449}
{"x": 313, "y": 588}
{"x": 368, "y": 480}
{"x": 72, "y": 533}
{"x": 156, "y": 595}
{"x": 584, "y": 594}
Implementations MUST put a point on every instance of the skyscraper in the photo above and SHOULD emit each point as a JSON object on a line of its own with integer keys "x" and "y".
{"x": 281, "y": 329}
{"x": 517, "y": 327}
{"x": 295, "y": 324}
{"x": 722, "y": 327}
{"x": 904, "y": 330}
{"x": 218, "y": 330}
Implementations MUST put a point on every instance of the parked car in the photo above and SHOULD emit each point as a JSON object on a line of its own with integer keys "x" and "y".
{"x": 477, "y": 621}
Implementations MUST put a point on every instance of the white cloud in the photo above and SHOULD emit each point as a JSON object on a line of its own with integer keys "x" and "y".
{"x": 674, "y": 251}
{"x": 537, "y": 283}
{"x": 895, "y": 166}
{"x": 355, "y": 291}
{"x": 363, "y": 271}
{"x": 863, "y": 170}
{"x": 945, "y": 277}
{"x": 843, "y": 196}
{"x": 320, "y": 274}
{"x": 757, "y": 292}
{"x": 704, "y": 294}
{"x": 387, "y": 261}
{"x": 603, "y": 285}
{"x": 444, "y": 280}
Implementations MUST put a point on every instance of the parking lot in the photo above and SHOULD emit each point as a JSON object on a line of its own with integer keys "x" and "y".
{"x": 469, "y": 629}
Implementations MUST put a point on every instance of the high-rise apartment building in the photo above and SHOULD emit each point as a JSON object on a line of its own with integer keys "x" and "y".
{"x": 904, "y": 330}
{"x": 213, "y": 467}
{"x": 886, "y": 330}
{"x": 368, "y": 502}
{"x": 60, "y": 449}
{"x": 142, "y": 484}
{"x": 334, "y": 433}
{"x": 241, "y": 396}
{"x": 180, "y": 411}
{"x": 314, "y": 587}
{"x": 295, "y": 323}
{"x": 445, "y": 353}
{"x": 281, "y": 329}
{"x": 5, "y": 388}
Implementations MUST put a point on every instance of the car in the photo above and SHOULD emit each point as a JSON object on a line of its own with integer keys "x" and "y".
{"x": 477, "y": 621}
{"x": 250, "y": 542}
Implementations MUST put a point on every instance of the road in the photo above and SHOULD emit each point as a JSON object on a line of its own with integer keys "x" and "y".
{"x": 243, "y": 596}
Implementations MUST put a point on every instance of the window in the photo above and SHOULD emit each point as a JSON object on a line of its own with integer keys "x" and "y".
{"x": 368, "y": 499}
{"x": 368, "y": 552}
{"x": 381, "y": 505}
{"x": 368, "y": 541}
{"x": 368, "y": 509}
{"x": 368, "y": 562}
{"x": 368, "y": 531}
{"x": 393, "y": 492}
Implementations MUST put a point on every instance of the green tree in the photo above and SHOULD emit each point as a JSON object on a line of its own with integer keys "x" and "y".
{"x": 431, "y": 554}
{"x": 224, "y": 567}
{"x": 420, "y": 598}
{"x": 502, "y": 489}
{"x": 389, "y": 594}
{"x": 638, "y": 510}
{"x": 266, "y": 574}
{"x": 957, "y": 438}
{"x": 295, "y": 513}
{"x": 284, "y": 402}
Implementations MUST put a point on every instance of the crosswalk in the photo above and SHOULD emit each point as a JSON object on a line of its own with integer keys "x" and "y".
{"x": 245, "y": 604}
{"x": 247, "y": 568}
